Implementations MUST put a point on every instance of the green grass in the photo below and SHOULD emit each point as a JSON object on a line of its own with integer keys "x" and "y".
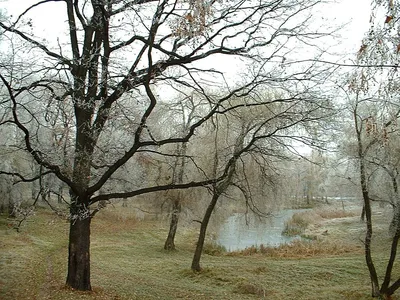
{"x": 128, "y": 262}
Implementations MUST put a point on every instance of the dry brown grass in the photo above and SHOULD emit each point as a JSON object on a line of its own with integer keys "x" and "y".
{"x": 303, "y": 249}
{"x": 300, "y": 221}
{"x": 128, "y": 262}
{"x": 248, "y": 288}
{"x": 115, "y": 218}
{"x": 211, "y": 248}
{"x": 334, "y": 213}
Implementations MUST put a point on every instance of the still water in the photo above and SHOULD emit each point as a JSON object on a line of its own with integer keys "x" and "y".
{"x": 235, "y": 234}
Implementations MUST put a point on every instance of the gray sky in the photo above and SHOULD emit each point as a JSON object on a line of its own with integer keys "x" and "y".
{"x": 48, "y": 23}
{"x": 356, "y": 12}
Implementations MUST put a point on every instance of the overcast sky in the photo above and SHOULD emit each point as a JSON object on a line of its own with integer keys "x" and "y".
{"x": 357, "y": 14}
{"x": 354, "y": 11}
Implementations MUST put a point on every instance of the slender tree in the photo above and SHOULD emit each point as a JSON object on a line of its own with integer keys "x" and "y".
{"x": 187, "y": 108}
{"x": 375, "y": 114}
{"x": 376, "y": 135}
{"x": 260, "y": 136}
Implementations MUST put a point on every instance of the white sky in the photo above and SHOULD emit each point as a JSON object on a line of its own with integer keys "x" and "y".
{"x": 356, "y": 12}
{"x": 48, "y": 23}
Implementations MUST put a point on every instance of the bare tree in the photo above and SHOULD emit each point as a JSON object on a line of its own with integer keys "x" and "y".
{"x": 376, "y": 137}
{"x": 375, "y": 111}
{"x": 186, "y": 110}
{"x": 261, "y": 136}
{"x": 112, "y": 57}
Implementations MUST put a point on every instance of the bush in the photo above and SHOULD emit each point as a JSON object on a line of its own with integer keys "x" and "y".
{"x": 298, "y": 223}
{"x": 214, "y": 249}
{"x": 334, "y": 213}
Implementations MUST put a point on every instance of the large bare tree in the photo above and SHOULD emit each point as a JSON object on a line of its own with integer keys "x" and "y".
{"x": 112, "y": 64}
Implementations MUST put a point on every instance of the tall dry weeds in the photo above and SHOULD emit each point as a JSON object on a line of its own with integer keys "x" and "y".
{"x": 302, "y": 249}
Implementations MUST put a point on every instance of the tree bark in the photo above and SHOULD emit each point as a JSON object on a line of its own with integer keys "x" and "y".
{"x": 385, "y": 290}
{"x": 179, "y": 168}
{"x": 11, "y": 208}
{"x": 202, "y": 235}
{"x": 176, "y": 210}
{"x": 362, "y": 217}
{"x": 368, "y": 255}
{"x": 79, "y": 254}
{"x": 60, "y": 194}
{"x": 11, "y": 203}
{"x": 367, "y": 211}
{"x": 395, "y": 223}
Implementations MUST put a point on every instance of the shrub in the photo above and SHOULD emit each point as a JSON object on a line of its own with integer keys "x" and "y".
{"x": 297, "y": 224}
{"x": 334, "y": 213}
{"x": 213, "y": 249}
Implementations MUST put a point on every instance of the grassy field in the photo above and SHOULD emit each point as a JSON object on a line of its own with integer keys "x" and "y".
{"x": 128, "y": 262}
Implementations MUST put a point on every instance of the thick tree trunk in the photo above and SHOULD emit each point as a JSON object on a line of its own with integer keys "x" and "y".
{"x": 176, "y": 210}
{"x": 78, "y": 276}
{"x": 79, "y": 256}
{"x": 202, "y": 234}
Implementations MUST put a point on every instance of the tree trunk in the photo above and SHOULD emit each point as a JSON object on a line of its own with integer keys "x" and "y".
{"x": 11, "y": 203}
{"x": 202, "y": 234}
{"x": 369, "y": 261}
{"x": 368, "y": 216}
{"x": 179, "y": 169}
{"x": 11, "y": 208}
{"x": 176, "y": 210}
{"x": 79, "y": 256}
{"x": 217, "y": 191}
{"x": 362, "y": 217}
{"x": 395, "y": 223}
{"x": 60, "y": 194}
{"x": 385, "y": 290}
{"x": 368, "y": 235}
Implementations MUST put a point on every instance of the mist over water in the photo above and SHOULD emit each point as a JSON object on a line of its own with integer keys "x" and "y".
{"x": 238, "y": 233}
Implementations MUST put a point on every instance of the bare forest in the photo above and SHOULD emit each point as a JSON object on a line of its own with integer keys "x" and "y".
{"x": 134, "y": 132}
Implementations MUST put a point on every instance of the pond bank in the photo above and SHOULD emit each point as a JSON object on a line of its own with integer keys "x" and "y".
{"x": 240, "y": 231}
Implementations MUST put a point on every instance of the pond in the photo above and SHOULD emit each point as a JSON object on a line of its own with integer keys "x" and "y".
{"x": 237, "y": 234}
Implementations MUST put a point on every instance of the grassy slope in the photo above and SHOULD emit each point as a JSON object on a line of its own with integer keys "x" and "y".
{"x": 128, "y": 263}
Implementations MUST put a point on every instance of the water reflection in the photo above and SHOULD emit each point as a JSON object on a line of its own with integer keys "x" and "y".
{"x": 235, "y": 234}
